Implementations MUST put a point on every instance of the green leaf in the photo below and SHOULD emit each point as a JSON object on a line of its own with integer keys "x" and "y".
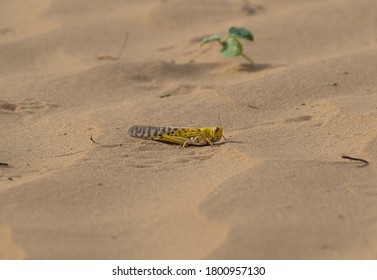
{"x": 210, "y": 39}
{"x": 241, "y": 32}
{"x": 232, "y": 47}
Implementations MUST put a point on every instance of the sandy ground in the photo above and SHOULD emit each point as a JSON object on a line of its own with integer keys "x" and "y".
{"x": 279, "y": 189}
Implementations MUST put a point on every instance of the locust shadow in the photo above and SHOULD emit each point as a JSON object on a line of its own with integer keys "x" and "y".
{"x": 231, "y": 141}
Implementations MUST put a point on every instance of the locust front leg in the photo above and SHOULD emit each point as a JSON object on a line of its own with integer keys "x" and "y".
{"x": 209, "y": 141}
{"x": 199, "y": 140}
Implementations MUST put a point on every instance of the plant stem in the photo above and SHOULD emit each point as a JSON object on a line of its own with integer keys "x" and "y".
{"x": 222, "y": 43}
{"x": 248, "y": 58}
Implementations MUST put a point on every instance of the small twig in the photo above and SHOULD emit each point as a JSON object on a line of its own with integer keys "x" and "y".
{"x": 120, "y": 52}
{"x": 104, "y": 145}
{"x": 366, "y": 163}
{"x": 4, "y": 164}
{"x": 250, "y": 8}
{"x": 91, "y": 138}
{"x": 165, "y": 95}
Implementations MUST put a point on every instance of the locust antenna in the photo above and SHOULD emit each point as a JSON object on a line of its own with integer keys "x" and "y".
{"x": 219, "y": 119}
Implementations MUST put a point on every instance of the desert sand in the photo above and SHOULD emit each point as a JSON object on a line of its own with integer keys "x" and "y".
{"x": 277, "y": 189}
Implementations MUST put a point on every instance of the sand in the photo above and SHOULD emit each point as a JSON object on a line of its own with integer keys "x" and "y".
{"x": 278, "y": 189}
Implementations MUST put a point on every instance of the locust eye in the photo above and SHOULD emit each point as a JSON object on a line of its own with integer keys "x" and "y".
{"x": 216, "y": 129}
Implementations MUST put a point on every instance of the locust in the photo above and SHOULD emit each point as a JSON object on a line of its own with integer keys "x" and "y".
{"x": 184, "y": 136}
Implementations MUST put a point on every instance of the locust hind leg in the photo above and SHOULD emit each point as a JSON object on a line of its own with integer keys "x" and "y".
{"x": 169, "y": 139}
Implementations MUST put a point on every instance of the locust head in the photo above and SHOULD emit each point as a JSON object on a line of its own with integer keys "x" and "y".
{"x": 217, "y": 133}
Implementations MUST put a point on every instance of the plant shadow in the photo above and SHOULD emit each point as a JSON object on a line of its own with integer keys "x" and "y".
{"x": 247, "y": 67}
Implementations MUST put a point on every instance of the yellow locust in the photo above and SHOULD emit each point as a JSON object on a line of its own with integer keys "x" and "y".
{"x": 184, "y": 136}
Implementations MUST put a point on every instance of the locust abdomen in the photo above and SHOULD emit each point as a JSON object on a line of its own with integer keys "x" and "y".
{"x": 147, "y": 131}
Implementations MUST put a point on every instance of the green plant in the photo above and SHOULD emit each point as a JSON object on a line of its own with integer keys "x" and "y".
{"x": 232, "y": 46}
